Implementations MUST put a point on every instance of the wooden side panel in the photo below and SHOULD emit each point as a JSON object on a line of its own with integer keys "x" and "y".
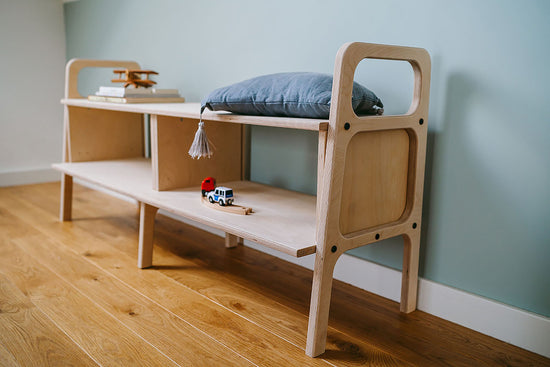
{"x": 75, "y": 65}
{"x": 96, "y": 134}
{"x": 375, "y": 179}
{"x": 174, "y": 168}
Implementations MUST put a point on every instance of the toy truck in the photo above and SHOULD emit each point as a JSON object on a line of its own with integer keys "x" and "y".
{"x": 222, "y": 195}
{"x": 208, "y": 184}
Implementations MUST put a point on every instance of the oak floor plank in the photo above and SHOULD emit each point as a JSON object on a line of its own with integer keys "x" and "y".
{"x": 418, "y": 338}
{"x": 171, "y": 334}
{"x": 107, "y": 341}
{"x": 6, "y": 358}
{"x": 258, "y": 307}
{"x": 225, "y": 326}
{"x": 347, "y": 352}
{"x": 298, "y": 284}
{"x": 249, "y": 303}
{"x": 247, "y": 300}
{"x": 231, "y": 329}
{"x": 168, "y": 333}
{"x": 23, "y": 328}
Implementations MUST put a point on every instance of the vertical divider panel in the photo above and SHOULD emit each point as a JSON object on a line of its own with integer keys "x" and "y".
{"x": 173, "y": 168}
{"x": 245, "y": 152}
{"x": 153, "y": 132}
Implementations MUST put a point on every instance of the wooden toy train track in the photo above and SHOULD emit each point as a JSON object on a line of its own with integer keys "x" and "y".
{"x": 235, "y": 209}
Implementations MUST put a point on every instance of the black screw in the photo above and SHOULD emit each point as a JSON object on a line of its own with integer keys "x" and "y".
{"x": 421, "y": 121}
{"x": 377, "y": 236}
{"x": 333, "y": 248}
{"x": 414, "y": 225}
{"x": 347, "y": 126}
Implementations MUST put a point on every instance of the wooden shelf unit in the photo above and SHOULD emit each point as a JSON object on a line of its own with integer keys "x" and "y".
{"x": 370, "y": 173}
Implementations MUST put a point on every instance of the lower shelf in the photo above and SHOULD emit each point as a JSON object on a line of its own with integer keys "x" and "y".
{"x": 283, "y": 220}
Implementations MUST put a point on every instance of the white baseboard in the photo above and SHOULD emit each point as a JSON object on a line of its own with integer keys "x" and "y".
{"x": 524, "y": 329}
{"x": 510, "y": 324}
{"x": 26, "y": 177}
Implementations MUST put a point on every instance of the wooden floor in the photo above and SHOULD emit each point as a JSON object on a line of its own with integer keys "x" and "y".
{"x": 71, "y": 294}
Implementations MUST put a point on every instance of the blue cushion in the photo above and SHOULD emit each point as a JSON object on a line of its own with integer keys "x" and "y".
{"x": 300, "y": 94}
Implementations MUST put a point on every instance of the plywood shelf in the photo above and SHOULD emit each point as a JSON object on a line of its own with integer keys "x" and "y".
{"x": 283, "y": 220}
{"x": 192, "y": 110}
{"x": 370, "y": 172}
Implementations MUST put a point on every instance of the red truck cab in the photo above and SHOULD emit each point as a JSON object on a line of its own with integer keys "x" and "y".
{"x": 208, "y": 184}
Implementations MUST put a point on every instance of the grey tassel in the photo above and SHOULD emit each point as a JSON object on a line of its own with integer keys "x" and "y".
{"x": 201, "y": 147}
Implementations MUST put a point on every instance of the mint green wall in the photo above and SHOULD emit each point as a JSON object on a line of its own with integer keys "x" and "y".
{"x": 487, "y": 200}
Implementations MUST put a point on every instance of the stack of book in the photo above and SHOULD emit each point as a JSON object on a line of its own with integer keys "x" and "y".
{"x": 136, "y": 95}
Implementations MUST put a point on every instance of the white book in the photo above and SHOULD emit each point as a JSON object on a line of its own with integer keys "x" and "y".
{"x": 121, "y": 91}
{"x": 139, "y": 95}
{"x": 136, "y": 92}
{"x": 158, "y": 91}
{"x": 148, "y": 99}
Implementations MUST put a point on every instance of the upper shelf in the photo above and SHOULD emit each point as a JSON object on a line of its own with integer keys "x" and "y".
{"x": 192, "y": 110}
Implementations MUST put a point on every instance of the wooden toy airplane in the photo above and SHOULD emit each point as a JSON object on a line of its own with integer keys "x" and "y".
{"x": 134, "y": 77}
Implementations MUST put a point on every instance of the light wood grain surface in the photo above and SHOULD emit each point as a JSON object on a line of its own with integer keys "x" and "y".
{"x": 281, "y": 219}
{"x": 373, "y": 175}
{"x": 375, "y": 180}
{"x": 192, "y": 111}
{"x": 46, "y": 290}
{"x": 24, "y": 327}
{"x": 172, "y": 138}
{"x": 98, "y": 134}
{"x": 74, "y": 66}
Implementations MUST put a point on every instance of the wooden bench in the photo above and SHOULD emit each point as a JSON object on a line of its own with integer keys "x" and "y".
{"x": 370, "y": 173}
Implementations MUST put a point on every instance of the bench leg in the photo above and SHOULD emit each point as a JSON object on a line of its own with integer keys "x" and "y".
{"x": 320, "y": 303}
{"x": 146, "y": 229}
{"x": 231, "y": 240}
{"x": 409, "y": 282}
{"x": 66, "y": 202}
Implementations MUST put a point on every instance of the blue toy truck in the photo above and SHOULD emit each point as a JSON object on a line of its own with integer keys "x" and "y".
{"x": 222, "y": 195}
